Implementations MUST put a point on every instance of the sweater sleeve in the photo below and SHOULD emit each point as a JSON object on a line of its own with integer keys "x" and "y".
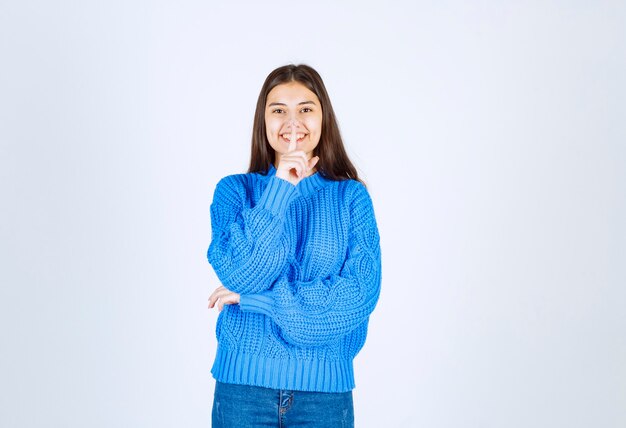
{"x": 248, "y": 247}
{"x": 316, "y": 312}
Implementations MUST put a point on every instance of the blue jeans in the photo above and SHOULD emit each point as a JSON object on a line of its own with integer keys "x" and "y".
{"x": 241, "y": 406}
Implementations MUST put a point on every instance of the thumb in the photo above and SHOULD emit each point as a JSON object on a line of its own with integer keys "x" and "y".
{"x": 313, "y": 162}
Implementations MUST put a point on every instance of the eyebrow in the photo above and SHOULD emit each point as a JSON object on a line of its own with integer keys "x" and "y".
{"x": 283, "y": 104}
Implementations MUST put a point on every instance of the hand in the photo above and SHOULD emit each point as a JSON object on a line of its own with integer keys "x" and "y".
{"x": 294, "y": 165}
{"x": 223, "y": 296}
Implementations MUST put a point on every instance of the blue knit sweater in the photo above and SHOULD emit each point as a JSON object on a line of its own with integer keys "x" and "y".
{"x": 306, "y": 261}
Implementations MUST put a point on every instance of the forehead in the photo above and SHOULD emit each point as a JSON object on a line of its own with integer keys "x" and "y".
{"x": 292, "y": 92}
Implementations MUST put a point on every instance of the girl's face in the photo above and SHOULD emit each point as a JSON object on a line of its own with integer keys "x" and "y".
{"x": 293, "y": 105}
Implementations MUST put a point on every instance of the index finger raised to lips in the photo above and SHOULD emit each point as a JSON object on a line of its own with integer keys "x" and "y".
{"x": 292, "y": 141}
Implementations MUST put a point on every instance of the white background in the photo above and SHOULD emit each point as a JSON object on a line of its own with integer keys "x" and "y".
{"x": 492, "y": 137}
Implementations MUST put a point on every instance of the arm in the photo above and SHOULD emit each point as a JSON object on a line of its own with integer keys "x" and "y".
{"x": 248, "y": 248}
{"x": 319, "y": 311}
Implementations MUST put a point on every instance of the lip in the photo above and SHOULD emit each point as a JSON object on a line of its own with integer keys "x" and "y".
{"x": 298, "y": 140}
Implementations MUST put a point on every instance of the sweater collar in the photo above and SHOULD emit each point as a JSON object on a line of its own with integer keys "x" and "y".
{"x": 306, "y": 186}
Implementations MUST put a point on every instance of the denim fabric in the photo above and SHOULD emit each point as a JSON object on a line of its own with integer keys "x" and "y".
{"x": 241, "y": 406}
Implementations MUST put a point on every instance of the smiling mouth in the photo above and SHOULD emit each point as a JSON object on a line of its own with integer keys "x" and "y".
{"x": 287, "y": 137}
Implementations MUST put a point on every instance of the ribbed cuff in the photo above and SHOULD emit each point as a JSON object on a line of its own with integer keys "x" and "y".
{"x": 277, "y": 195}
{"x": 260, "y": 303}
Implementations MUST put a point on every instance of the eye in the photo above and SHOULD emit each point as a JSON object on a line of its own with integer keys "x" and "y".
{"x": 278, "y": 110}
{"x": 306, "y": 109}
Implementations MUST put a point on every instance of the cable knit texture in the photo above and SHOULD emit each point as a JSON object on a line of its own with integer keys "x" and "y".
{"x": 306, "y": 261}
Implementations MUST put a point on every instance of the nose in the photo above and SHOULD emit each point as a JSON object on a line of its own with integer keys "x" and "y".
{"x": 293, "y": 123}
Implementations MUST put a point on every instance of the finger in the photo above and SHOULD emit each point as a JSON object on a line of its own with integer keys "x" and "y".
{"x": 212, "y": 300}
{"x": 213, "y": 297}
{"x": 313, "y": 162}
{"x": 293, "y": 137}
{"x": 299, "y": 169}
{"x": 295, "y": 163}
{"x": 298, "y": 157}
{"x": 219, "y": 303}
{"x": 219, "y": 292}
{"x": 300, "y": 154}
{"x": 216, "y": 290}
{"x": 292, "y": 142}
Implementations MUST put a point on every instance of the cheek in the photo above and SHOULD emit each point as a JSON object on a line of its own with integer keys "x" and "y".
{"x": 314, "y": 125}
{"x": 270, "y": 128}
{"x": 317, "y": 125}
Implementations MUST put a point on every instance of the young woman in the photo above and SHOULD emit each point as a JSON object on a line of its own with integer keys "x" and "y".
{"x": 296, "y": 247}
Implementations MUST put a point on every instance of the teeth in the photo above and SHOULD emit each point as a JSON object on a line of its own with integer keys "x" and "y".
{"x": 288, "y": 136}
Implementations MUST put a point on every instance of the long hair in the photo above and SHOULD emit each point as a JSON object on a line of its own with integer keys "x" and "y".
{"x": 334, "y": 163}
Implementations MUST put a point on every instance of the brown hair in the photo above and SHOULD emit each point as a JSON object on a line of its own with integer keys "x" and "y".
{"x": 334, "y": 163}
